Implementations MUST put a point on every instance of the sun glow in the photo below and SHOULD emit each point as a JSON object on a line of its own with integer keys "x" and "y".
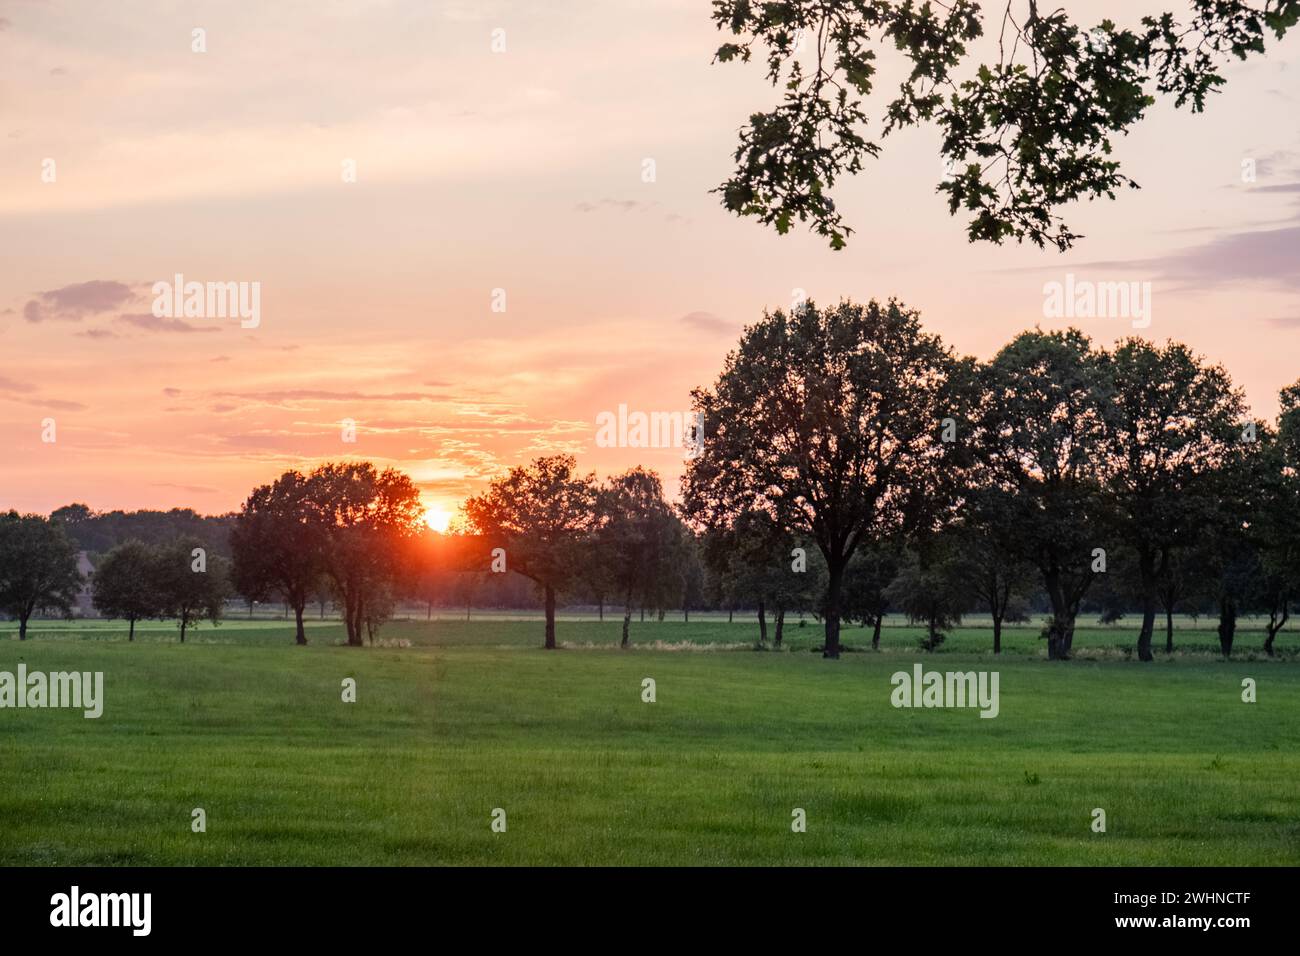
{"x": 439, "y": 519}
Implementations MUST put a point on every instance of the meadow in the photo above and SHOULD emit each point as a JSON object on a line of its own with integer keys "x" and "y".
{"x": 454, "y": 719}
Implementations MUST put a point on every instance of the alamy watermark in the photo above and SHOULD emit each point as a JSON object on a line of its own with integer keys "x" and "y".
{"x": 624, "y": 429}
{"x": 923, "y": 688}
{"x": 179, "y": 299}
{"x": 77, "y": 689}
{"x": 75, "y": 908}
{"x": 1085, "y": 299}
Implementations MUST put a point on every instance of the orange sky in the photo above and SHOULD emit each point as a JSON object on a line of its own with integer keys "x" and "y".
{"x": 521, "y": 171}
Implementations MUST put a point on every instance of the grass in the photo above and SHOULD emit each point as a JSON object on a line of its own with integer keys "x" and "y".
{"x": 473, "y": 716}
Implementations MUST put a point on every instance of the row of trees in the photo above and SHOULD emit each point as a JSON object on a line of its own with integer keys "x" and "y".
{"x": 853, "y": 427}
{"x": 852, "y": 465}
{"x": 177, "y": 581}
{"x": 134, "y": 581}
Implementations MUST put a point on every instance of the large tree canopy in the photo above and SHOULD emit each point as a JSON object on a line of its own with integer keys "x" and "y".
{"x": 1022, "y": 136}
{"x": 277, "y": 544}
{"x": 1172, "y": 420}
{"x": 365, "y": 518}
{"x": 831, "y": 420}
{"x": 1041, "y": 430}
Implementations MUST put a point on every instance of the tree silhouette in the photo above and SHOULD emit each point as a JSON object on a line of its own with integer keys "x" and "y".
{"x": 541, "y": 514}
{"x": 830, "y": 421}
{"x": 1021, "y": 137}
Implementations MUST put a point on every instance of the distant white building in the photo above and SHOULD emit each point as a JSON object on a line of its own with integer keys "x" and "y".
{"x": 84, "y": 607}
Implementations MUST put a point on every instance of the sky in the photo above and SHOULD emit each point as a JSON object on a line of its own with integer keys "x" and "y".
{"x": 482, "y": 171}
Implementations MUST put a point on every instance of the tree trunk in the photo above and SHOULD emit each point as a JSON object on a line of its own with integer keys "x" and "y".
{"x": 1057, "y": 646}
{"x": 22, "y": 633}
{"x": 762, "y": 623}
{"x": 1169, "y": 631}
{"x": 997, "y": 634}
{"x": 834, "y": 578}
{"x": 602, "y": 608}
{"x": 643, "y": 615}
{"x": 183, "y": 624}
{"x": 875, "y": 633}
{"x": 1227, "y": 625}
{"x": 550, "y": 618}
{"x": 1147, "y": 577}
{"x": 730, "y": 613}
{"x": 780, "y": 627}
{"x": 300, "y": 636}
{"x": 354, "y": 607}
{"x": 1276, "y": 624}
{"x": 130, "y": 635}
{"x": 627, "y": 620}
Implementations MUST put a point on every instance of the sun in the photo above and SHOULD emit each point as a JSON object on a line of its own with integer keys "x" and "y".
{"x": 439, "y": 519}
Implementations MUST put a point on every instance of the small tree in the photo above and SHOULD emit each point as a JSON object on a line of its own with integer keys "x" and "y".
{"x": 927, "y": 591}
{"x": 867, "y": 581}
{"x": 542, "y": 515}
{"x": 190, "y": 584}
{"x": 637, "y": 536}
{"x": 38, "y": 568}
{"x": 277, "y": 546}
{"x": 125, "y": 585}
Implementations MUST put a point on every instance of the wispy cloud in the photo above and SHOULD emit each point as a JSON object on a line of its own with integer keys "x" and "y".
{"x": 154, "y": 323}
{"x": 708, "y": 322}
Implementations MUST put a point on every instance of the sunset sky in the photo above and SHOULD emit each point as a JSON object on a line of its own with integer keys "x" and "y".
{"x": 519, "y": 170}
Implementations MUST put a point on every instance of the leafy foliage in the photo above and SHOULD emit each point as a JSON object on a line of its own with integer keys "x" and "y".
{"x": 1021, "y": 136}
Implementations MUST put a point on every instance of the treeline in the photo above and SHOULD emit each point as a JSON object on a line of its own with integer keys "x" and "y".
{"x": 1053, "y": 468}
{"x": 98, "y": 532}
{"x": 852, "y": 465}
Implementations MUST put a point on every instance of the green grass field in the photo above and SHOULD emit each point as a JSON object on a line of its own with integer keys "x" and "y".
{"x": 454, "y": 719}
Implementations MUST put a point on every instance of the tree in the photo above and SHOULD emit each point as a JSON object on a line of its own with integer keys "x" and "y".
{"x": 690, "y": 569}
{"x": 830, "y": 420}
{"x": 277, "y": 545}
{"x": 365, "y": 518}
{"x": 1171, "y": 420}
{"x": 1275, "y": 528}
{"x": 1041, "y": 430}
{"x": 1020, "y": 137}
{"x": 1223, "y": 565}
{"x": 760, "y": 568}
{"x": 190, "y": 584}
{"x": 38, "y": 568}
{"x": 866, "y": 584}
{"x": 542, "y": 515}
{"x": 124, "y": 584}
{"x": 985, "y": 558}
{"x": 637, "y": 535}
{"x": 926, "y": 590}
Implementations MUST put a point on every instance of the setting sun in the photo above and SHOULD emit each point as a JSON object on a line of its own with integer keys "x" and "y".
{"x": 437, "y": 518}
